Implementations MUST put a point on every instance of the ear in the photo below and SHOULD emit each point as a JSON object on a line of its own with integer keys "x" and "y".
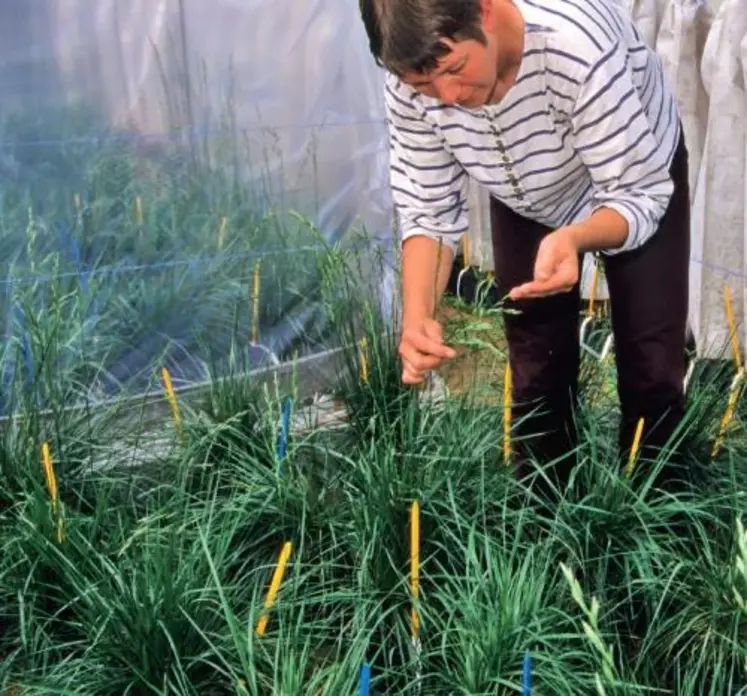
{"x": 487, "y": 9}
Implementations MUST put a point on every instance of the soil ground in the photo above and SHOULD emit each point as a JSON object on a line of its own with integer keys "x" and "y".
{"x": 479, "y": 372}
{"x": 476, "y": 371}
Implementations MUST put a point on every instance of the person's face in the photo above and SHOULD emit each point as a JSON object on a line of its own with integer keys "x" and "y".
{"x": 469, "y": 75}
{"x": 466, "y": 76}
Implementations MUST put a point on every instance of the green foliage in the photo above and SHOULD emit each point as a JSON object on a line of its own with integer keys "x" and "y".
{"x": 170, "y": 542}
{"x": 161, "y": 577}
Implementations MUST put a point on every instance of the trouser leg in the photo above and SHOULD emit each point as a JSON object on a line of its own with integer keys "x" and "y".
{"x": 649, "y": 297}
{"x": 543, "y": 347}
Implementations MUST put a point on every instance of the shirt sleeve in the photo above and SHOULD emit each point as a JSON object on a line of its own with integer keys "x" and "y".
{"x": 628, "y": 168}
{"x": 429, "y": 186}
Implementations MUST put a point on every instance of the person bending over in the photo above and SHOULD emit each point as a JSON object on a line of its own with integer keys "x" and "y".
{"x": 558, "y": 109}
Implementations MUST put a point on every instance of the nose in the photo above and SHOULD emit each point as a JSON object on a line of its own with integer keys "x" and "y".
{"x": 446, "y": 88}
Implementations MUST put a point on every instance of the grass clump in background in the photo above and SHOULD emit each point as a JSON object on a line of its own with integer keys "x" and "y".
{"x": 119, "y": 256}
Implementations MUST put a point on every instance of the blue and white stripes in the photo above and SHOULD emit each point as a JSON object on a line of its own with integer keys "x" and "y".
{"x": 589, "y": 122}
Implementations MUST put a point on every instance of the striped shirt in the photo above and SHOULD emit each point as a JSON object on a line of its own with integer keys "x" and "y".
{"x": 589, "y": 122}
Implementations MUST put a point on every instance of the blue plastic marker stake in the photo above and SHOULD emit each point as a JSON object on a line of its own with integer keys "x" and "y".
{"x": 365, "y": 679}
{"x": 70, "y": 244}
{"x": 28, "y": 359}
{"x": 527, "y": 675}
{"x": 62, "y": 236}
{"x": 283, "y": 439}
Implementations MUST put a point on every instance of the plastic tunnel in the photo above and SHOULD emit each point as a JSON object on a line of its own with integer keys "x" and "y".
{"x": 169, "y": 170}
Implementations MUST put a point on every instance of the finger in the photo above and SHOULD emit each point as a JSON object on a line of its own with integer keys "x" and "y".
{"x": 562, "y": 280}
{"x": 420, "y": 362}
{"x": 410, "y": 375}
{"x": 434, "y": 332}
{"x": 535, "y": 289}
{"x": 409, "y": 378}
{"x": 427, "y": 345}
{"x": 536, "y": 294}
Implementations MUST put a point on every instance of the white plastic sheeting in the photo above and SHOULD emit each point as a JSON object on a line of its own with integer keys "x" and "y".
{"x": 285, "y": 92}
{"x": 297, "y": 80}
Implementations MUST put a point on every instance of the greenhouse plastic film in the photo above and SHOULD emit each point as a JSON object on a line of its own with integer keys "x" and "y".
{"x": 172, "y": 173}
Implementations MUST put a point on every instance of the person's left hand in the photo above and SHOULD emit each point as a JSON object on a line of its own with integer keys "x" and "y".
{"x": 555, "y": 268}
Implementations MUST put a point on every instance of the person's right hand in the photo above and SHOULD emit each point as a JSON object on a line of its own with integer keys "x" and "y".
{"x": 422, "y": 349}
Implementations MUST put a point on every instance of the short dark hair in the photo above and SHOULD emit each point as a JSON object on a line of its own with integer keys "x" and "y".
{"x": 407, "y": 35}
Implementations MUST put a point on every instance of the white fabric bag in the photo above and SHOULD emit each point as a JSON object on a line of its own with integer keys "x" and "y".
{"x": 718, "y": 211}
{"x": 680, "y": 42}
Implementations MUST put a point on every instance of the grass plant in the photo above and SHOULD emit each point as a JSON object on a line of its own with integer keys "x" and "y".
{"x": 162, "y": 575}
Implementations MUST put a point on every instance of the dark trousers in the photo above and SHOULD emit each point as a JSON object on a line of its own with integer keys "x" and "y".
{"x": 648, "y": 290}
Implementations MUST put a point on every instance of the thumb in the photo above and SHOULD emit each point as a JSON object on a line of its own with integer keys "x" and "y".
{"x": 433, "y": 330}
{"x": 544, "y": 265}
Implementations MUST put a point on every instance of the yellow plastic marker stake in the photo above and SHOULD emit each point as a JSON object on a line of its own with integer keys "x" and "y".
{"x": 364, "y": 360}
{"x": 465, "y": 251}
{"x": 255, "y": 304}
{"x": 52, "y": 488}
{"x": 732, "y": 329}
{"x": 507, "y": 389}
{"x": 728, "y": 413}
{"x": 593, "y": 290}
{"x": 415, "y": 564}
{"x": 277, "y": 578}
{"x": 171, "y": 396}
{"x": 222, "y": 232}
{"x": 49, "y": 473}
{"x": 634, "y": 449}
